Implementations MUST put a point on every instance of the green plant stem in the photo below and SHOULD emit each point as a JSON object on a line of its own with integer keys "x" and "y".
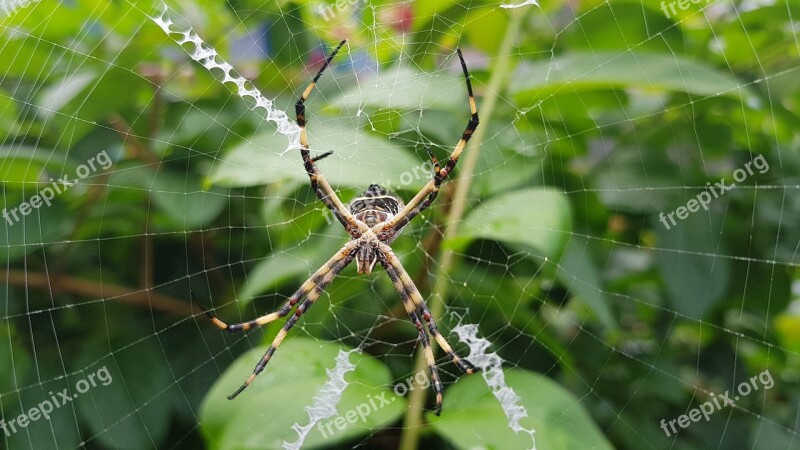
{"x": 416, "y": 401}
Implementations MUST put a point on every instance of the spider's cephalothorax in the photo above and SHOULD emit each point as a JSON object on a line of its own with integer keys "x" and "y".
{"x": 374, "y": 206}
{"x": 373, "y": 221}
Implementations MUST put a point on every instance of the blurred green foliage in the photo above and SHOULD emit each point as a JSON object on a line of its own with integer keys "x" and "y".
{"x": 611, "y": 114}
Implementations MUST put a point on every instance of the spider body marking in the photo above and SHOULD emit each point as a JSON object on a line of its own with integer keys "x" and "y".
{"x": 374, "y": 206}
{"x": 373, "y": 220}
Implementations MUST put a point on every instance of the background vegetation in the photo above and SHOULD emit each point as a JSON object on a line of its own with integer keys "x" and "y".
{"x": 596, "y": 117}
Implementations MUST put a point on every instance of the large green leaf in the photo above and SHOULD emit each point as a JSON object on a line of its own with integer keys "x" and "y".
{"x": 288, "y": 263}
{"x": 44, "y": 226}
{"x": 178, "y": 195}
{"x": 636, "y": 181}
{"x": 688, "y": 256}
{"x": 56, "y": 430}
{"x": 182, "y": 198}
{"x": 404, "y": 88}
{"x": 634, "y": 27}
{"x": 23, "y": 166}
{"x": 608, "y": 70}
{"x": 28, "y": 57}
{"x": 8, "y": 116}
{"x": 359, "y": 159}
{"x": 581, "y": 276}
{"x": 473, "y": 418}
{"x": 263, "y": 415}
{"x": 79, "y": 100}
{"x": 536, "y": 218}
{"x": 132, "y": 410}
{"x": 14, "y": 359}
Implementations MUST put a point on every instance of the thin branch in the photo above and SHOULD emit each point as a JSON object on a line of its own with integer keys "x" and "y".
{"x": 147, "y": 262}
{"x": 148, "y": 299}
{"x": 138, "y": 151}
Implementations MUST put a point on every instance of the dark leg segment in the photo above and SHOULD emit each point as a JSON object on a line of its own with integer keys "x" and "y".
{"x": 428, "y": 194}
{"x": 319, "y": 183}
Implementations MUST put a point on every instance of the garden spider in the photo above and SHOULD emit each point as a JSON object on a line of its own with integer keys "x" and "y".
{"x": 373, "y": 221}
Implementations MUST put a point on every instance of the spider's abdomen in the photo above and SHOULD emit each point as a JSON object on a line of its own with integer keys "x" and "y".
{"x": 375, "y": 205}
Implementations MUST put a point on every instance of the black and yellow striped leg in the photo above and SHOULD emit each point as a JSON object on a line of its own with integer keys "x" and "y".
{"x": 434, "y": 161}
{"x": 306, "y": 287}
{"x": 319, "y": 183}
{"x": 436, "y": 382}
{"x": 428, "y": 194}
{"x": 394, "y": 268}
{"x": 323, "y": 279}
{"x": 463, "y": 365}
{"x": 261, "y": 321}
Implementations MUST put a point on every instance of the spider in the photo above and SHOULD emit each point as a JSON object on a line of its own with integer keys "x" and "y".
{"x": 373, "y": 220}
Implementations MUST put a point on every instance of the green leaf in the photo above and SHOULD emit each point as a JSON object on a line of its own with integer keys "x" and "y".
{"x": 22, "y": 167}
{"x": 359, "y": 159}
{"x": 8, "y": 117}
{"x": 695, "y": 276}
{"x": 606, "y": 70}
{"x": 579, "y": 274}
{"x": 14, "y": 359}
{"x": 55, "y": 97}
{"x": 263, "y": 415}
{"x": 424, "y": 12}
{"x": 537, "y": 218}
{"x": 28, "y": 58}
{"x": 404, "y": 88}
{"x": 46, "y": 225}
{"x": 79, "y": 100}
{"x": 289, "y": 263}
{"x": 59, "y": 428}
{"x": 177, "y": 194}
{"x": 473, "y": 418}
{"x": 629, "y": 180}
{"x": 182, "y": 198}
{"x": 634, "y": 27}
{"x": 133, "y": 410}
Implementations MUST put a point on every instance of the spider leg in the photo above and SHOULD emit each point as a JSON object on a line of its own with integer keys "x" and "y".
{"x": 311, "y": 290}
{"x": 322, "y": 156}
{"x": 315, "y": 279}
{"x": 261, "y": 321}
{"x": 428, "y": 194}
{"x": 319, "y": 183}
{"x": 436, "y": 382}
{"x": 393, "y": 265}
{"x": 436, "y": 166}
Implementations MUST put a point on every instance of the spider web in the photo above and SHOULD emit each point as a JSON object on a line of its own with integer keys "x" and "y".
{"x": 212, "y": 197}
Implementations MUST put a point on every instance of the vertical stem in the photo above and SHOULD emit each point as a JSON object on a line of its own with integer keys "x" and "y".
{"x": 413, "y": 418}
